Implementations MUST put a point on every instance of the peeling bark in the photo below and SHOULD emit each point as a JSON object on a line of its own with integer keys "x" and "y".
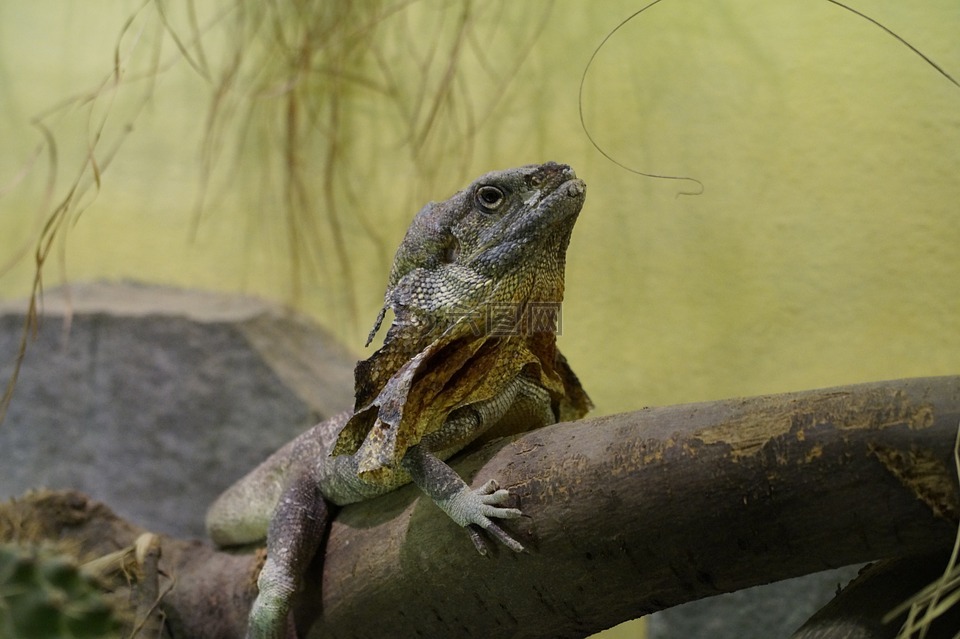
{"x": 626, "y": 515}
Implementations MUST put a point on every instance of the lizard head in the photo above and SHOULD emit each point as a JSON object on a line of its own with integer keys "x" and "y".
{"x": 503, "y": 239}
{"x": 519, "y": 220}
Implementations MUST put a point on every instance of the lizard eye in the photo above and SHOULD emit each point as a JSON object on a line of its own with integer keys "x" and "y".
{"x": 489, "y": 197}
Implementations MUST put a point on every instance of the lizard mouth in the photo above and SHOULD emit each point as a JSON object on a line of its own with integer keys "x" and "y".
{"x": 575, "y": 188}
{"x": 563, "y": 201}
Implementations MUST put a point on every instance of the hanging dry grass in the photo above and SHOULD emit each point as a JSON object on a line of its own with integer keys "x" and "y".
{"x": 290, "y": 88}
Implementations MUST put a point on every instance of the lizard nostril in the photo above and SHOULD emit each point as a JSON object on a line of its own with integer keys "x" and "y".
{"x": 451, "y": 251}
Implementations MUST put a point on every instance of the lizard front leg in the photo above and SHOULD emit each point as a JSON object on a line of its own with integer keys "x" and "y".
{"x": 522, "y": 399}
{"x": 464, "y": 506}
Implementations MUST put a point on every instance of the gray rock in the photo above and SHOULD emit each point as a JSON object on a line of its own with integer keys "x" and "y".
{"x": 154, "y": 400}
{"x": 774, "y": 611}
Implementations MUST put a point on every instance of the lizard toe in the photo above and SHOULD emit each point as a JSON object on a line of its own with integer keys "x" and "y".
{"x": 504, "y": 538}
{"x": 498, "y": 497}
{"x": 488, "y": 488}
{"x": 499, "y": 513}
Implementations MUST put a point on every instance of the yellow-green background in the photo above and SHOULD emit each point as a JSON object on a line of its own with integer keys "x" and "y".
{"x": 824, "y": 249}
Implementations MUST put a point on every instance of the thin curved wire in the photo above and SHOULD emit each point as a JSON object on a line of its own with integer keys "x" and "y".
{"x": 583, "y": 123}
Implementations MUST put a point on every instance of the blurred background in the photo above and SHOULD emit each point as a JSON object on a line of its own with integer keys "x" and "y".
{"x": 281, "y": 149}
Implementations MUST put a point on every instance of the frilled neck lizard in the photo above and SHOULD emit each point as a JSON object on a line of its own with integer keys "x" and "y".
{"x": 475, "y": 292}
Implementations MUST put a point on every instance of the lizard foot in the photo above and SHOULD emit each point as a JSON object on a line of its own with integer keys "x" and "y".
{"x": 474, "y": 509}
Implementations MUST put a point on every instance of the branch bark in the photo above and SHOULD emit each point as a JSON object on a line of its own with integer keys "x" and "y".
{"x": 626, "y": 515}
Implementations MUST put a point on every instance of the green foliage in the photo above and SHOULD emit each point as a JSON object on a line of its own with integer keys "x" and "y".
{"x": 45, "y": 594}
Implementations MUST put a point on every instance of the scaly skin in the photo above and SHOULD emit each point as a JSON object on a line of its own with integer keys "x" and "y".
{"x": 475, "y": 289}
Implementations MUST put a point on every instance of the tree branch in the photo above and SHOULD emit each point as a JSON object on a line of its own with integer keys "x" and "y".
{"x": 626, "y": 515}
{"x": 638, "y": 512}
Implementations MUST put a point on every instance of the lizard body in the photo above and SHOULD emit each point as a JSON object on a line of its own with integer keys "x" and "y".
{"x": 475, "y": 290}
